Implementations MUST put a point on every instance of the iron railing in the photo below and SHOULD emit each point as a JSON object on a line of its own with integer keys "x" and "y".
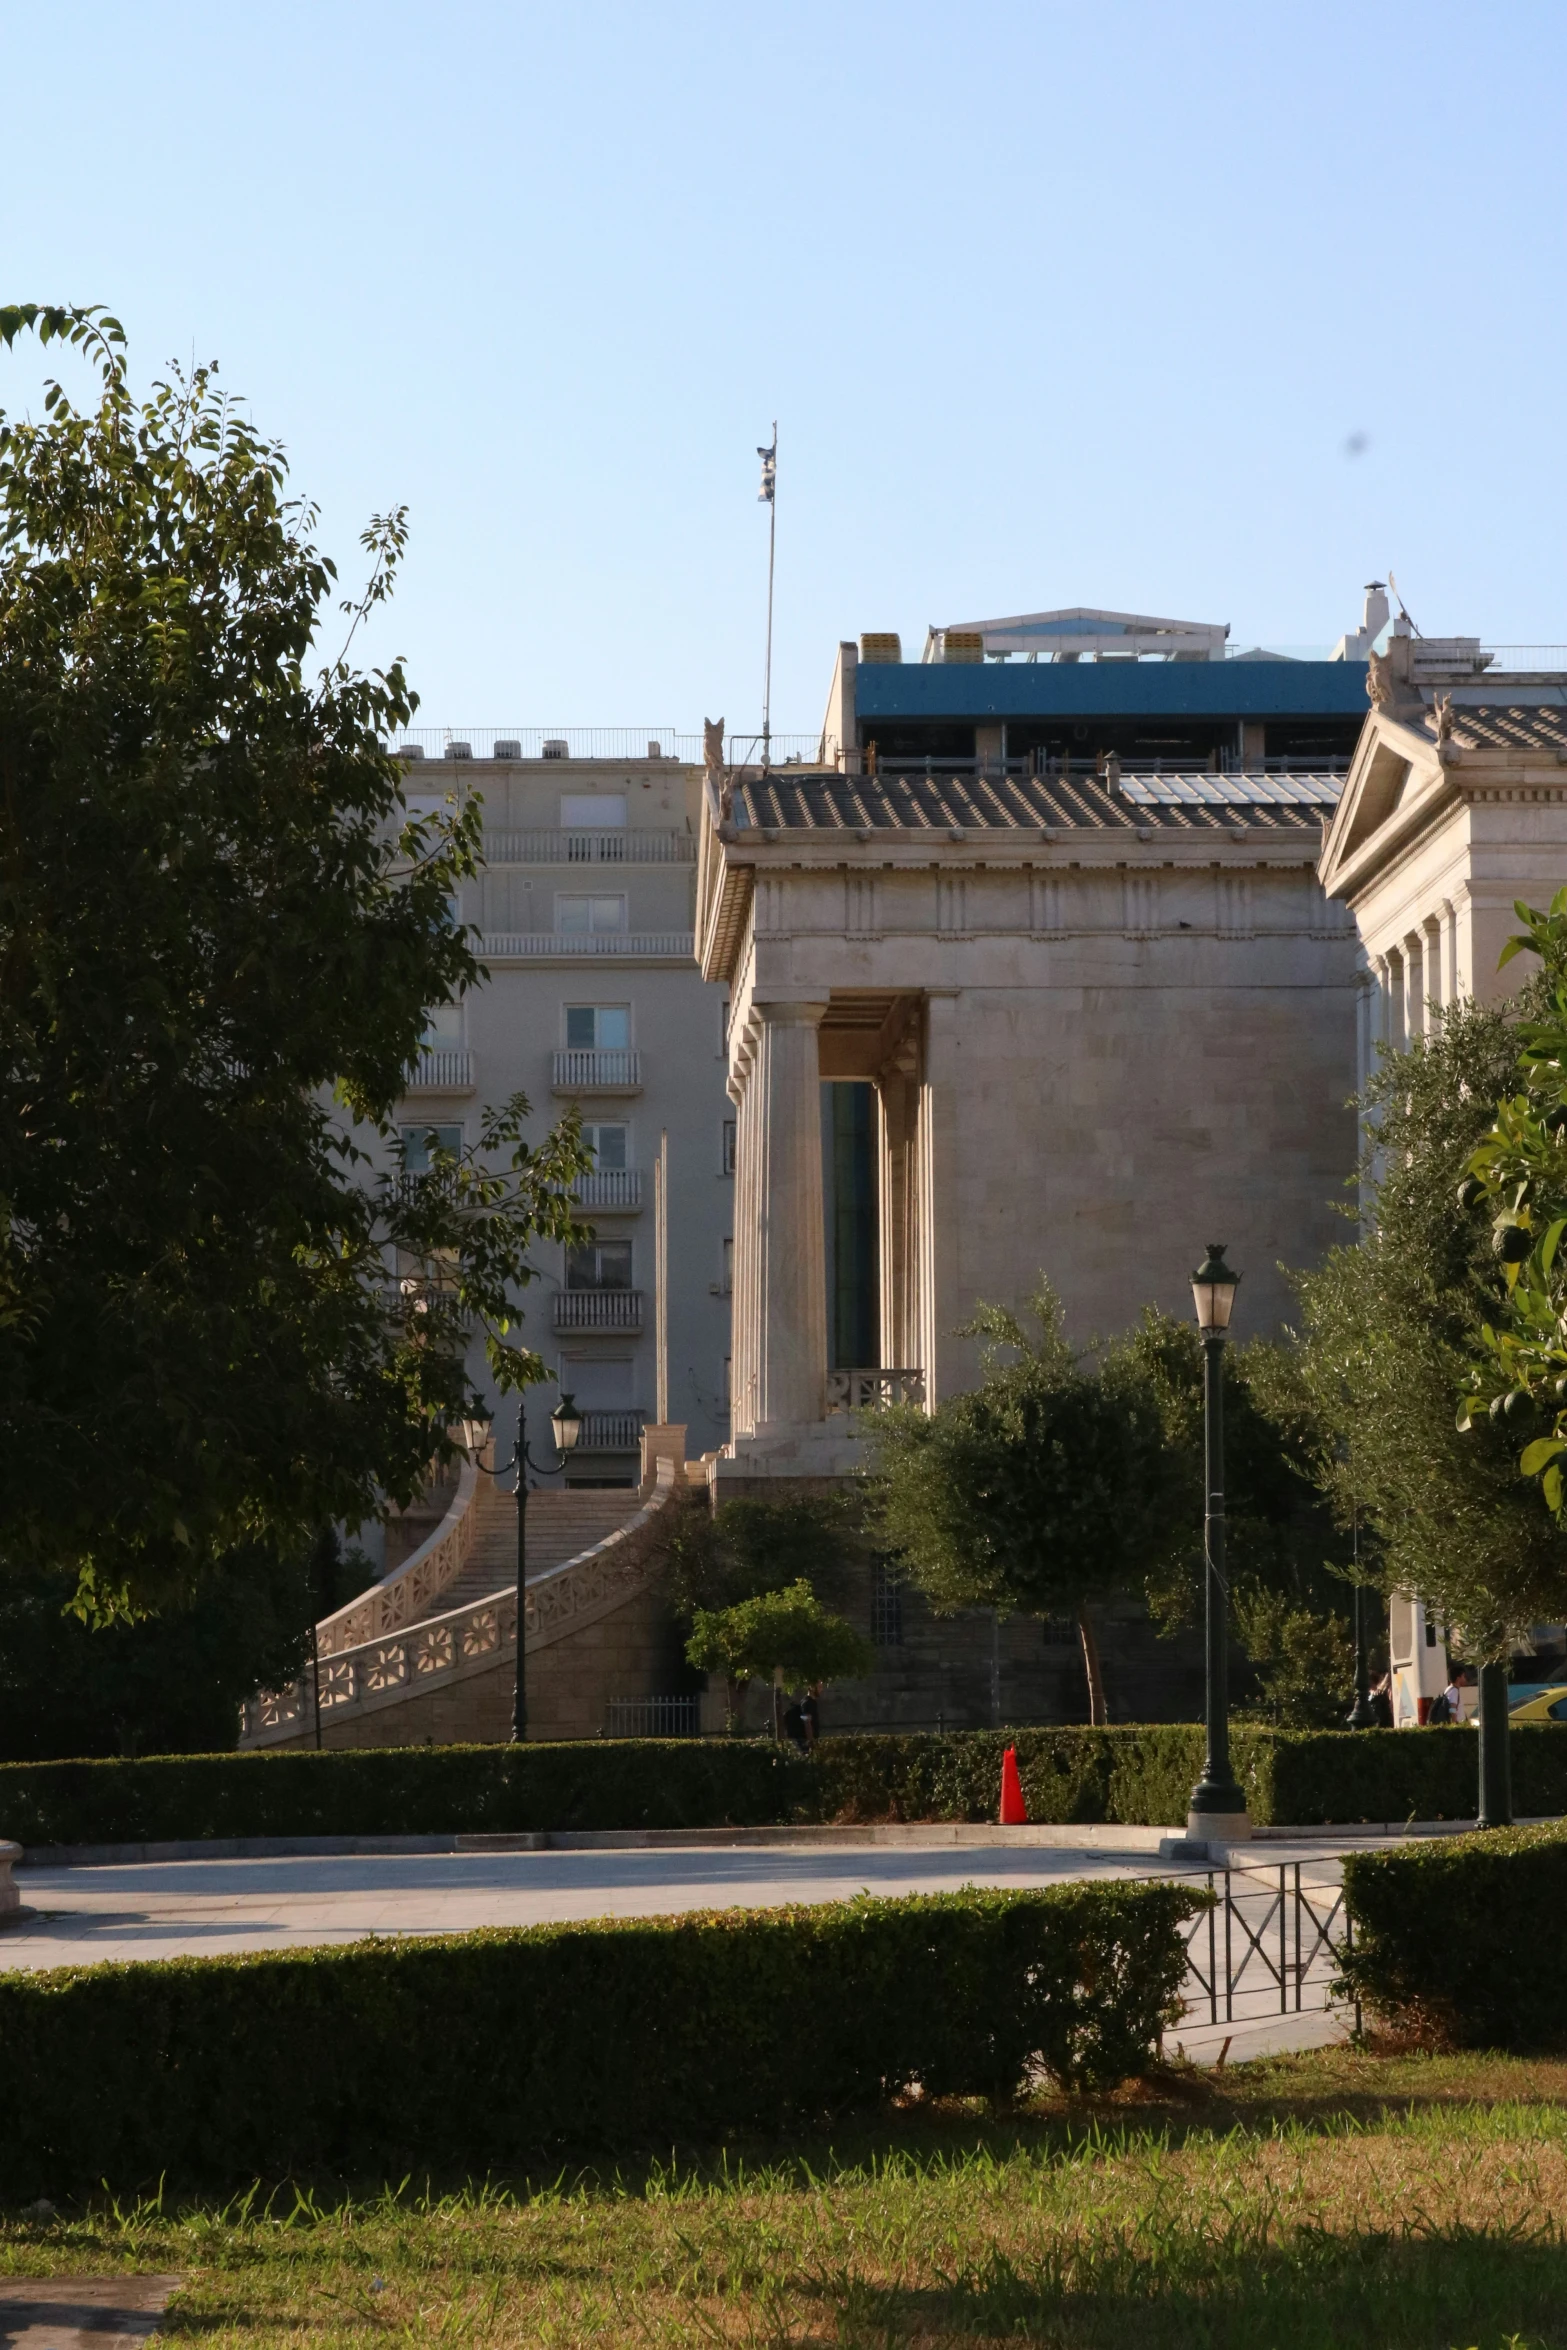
{"x": 577, "y": 1070}
{"x": 653, "y": 1717}
{"x": 624, "y": 846}
{"x": 1268, "y": 1946}
{"x": 610, "y": 1432}
{"x": 598, "y": 1309}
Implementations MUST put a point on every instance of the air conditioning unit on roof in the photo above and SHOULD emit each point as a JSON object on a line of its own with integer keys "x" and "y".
{"x": 557, "y": 747}
{"x": 506, "y": 747}
{"x": 410, "y": 750}
{"x": 459, "y": 750}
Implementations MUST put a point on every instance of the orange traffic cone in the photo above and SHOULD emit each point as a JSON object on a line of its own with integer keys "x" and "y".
{"x": 1014, "y": 1811}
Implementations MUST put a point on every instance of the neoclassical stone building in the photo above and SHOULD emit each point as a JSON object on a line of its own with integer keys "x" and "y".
{"x": 1104, "y": 1012}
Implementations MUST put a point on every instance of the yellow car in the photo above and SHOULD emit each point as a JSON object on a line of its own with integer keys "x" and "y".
{"x": 1545, "y": 1704}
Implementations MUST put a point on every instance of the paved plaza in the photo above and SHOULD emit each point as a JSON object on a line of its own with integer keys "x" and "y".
{"x": 190, "y": 1908}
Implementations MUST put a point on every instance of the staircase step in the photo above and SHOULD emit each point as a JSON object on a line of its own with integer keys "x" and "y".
{"x": 561, "y": 1525}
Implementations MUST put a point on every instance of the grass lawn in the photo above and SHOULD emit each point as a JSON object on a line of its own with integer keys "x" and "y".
{"x": 1336, "y": 2199}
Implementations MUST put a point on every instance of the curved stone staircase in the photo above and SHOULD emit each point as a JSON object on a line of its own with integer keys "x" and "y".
{"x": 428, "y": 1654}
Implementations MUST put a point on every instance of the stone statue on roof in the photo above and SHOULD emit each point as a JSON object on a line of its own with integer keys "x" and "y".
{"x": 717, "y": 774}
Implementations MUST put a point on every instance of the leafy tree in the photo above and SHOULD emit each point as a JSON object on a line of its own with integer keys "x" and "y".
{"x": 786, "y": 1631}
{"x": 171, "y": 1683}
{"x": 1045, "y": 1488}
{"x": 1286, "y": 1558}
{"x": 1391, "y": 1327}
{"x": 220, "y": 935}
{"x": 713, "y": 1559}
{"x": 1518, "y": 1174}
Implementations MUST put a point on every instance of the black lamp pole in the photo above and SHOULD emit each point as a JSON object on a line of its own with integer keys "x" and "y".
{"x": 1360, "y": 1715}
{"x": 566, "y": 1425}
{"x": 1216, "y": 1795}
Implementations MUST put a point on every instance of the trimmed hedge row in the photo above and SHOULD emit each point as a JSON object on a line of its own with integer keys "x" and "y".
{"x": 477, "y": 2051}
{"x": 1464, "y": 1940}
{"x": 1137, "y": 1776}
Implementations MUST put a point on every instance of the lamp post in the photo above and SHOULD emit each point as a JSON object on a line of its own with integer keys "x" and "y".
{"x": 1360, "y": 1716}
{"x": 1218, "y": 1809}
{"x": 566, "y": 1426}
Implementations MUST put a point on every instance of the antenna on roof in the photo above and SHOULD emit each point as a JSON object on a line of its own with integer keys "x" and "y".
{"x": 1404, "y": 611}
{"x": 767, "y": 496}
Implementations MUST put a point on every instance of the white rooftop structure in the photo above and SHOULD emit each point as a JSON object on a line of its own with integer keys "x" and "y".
{"x": 1079, "y": 632}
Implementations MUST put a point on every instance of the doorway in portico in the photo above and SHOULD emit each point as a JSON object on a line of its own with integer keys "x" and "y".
{"x": 850, "y": 1222}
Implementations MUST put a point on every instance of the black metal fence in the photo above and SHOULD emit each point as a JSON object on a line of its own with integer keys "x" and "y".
{"x": 1268, "y": 1946}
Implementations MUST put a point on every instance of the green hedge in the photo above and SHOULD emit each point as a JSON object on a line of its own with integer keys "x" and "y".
{"x": 1134, "y": 1775}
{"x": 1464, "y": 1940}
{"x": 477, "y": 2051}
{"x": 404, "y": 1791}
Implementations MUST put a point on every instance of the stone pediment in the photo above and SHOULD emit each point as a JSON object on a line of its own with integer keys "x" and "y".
{"x": 1396, "y": 780}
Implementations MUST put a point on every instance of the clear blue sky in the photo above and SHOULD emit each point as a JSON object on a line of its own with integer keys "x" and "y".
{"x": 1054, "y": 304}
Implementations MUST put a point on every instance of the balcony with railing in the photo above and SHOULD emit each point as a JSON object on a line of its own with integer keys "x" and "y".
{"x": 610, "y": 1432}
{"x": 610, "y": 1191}
{"x": 579, "y": 1070}
{"x": 569, "y": 946}
{"x": 443, "y": 1069}
{"x": 873, "y": 1390}
{"x": 625, "y": 845}
{"x": 598, "y": 1309}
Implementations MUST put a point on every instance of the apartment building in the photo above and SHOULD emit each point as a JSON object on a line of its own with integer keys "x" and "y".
{"x": 584, "y": 914}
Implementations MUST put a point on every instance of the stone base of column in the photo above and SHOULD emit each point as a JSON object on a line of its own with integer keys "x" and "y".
{"x": 815, "y": 1448}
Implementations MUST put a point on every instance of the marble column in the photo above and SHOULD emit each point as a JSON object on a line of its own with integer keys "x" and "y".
{"x": 789, "y": 1273}
{"x": 1414, "y": 987}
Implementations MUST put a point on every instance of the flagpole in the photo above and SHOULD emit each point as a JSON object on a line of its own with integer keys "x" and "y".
{"x": 772, "y": 543}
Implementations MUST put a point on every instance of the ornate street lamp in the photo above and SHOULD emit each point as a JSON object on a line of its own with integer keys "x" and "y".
{"x": 566, "y": 1427}
{"x": 1218, "y": 1809}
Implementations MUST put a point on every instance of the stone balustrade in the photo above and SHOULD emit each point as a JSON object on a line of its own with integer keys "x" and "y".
{"x": 869, "y": 1391}
{"x": 404, "y": 1597}
{"x": 389, "y": 1668}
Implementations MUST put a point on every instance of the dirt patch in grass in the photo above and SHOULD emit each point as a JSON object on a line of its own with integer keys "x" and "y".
{"x": 1346, "y": 2197}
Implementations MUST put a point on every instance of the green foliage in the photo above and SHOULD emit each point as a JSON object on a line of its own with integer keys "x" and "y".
{"x": 657, "y": 2031}
{"x": 1142, "y": 1776}
{"x": 1286, "y": 1560}
{"x": 716, "y": 1558}
{"x": 1042, "y": 1488}
{"x": 1519, "y": 1174}
{"x": 1463, "y": 1940}
{"x": 220, "y": 934}
{"x": 1304, "y": 1662}
{"x": 788, "y": 1631}
{"x": 1390, "y": 1329}
{"x": 168, "y": 1683}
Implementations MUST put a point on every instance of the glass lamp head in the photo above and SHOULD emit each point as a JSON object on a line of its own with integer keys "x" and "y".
{"x": 566, "y": 1421}
{"x": 1213, "y": 1292}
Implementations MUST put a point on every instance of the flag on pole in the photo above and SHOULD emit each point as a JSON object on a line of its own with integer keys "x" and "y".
{"x": 769, "y": 457}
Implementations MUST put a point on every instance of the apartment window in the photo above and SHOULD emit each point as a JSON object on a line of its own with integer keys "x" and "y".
{"x": 723, "y": 1026}
{"x": 611, "y": 1148}
{"x": 598, "y": 1028}
{"x": 886, "y": 1609}
{"x": 724, "y": 1388}
{"x": 583, "y": 917}
{"x": 421, "y": 1143}
{"x": 603, "y": 1264}
{"x": 599, "y": 1383}
{"x": 592, "y": 811}
{"x": 442, "y": 1029}
{"x": 729, "y": 1146}
{"x": 727, "y": 1276}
